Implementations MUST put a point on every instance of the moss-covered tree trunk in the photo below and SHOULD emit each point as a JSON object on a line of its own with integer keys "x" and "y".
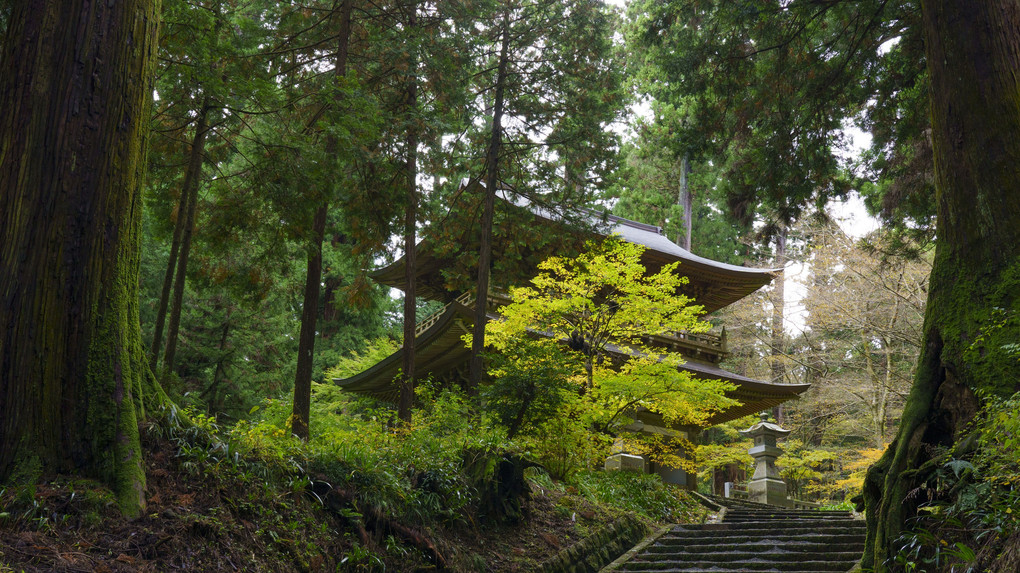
{"x": 74, "y": 114}
{"x": 973, "y": 54}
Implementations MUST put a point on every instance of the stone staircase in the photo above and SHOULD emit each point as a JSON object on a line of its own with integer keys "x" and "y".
{"x": 756, "y": 538}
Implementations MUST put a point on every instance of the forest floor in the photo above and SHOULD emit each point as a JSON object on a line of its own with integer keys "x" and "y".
{"x": 201, "y": 519}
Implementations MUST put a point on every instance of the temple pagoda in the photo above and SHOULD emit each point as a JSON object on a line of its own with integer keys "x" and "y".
{"x": 441, "y": 353}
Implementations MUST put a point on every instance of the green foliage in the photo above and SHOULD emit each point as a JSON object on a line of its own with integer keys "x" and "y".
{"x": 565, "y": 443}
{"x": 971, "y": 499}
{"x": 530, "y": 384}
{"x": 803, "y": 468}
{"x": 712, "y": 457}
{"x": 595, "y": 311}
{"x": 644, "y": 494}
{"x": 998, "y": 453}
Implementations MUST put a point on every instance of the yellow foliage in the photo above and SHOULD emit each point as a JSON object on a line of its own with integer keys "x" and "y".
{"x": 604, "y": 305}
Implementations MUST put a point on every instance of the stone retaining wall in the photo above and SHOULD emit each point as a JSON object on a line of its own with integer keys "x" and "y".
{"x": 599, "y": 549}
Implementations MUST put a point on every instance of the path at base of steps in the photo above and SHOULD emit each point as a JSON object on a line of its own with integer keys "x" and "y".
{"x": 756, "y": 538}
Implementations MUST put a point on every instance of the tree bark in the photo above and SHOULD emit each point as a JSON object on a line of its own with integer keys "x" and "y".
{"x": 973, "y": 52}
{"x": 168, "y": 283}
{"x": 309, "y": 315}
{"x": 686, "y": 200}
{"x": 485, "y": 243}
{"x": 410, "y": 220}
{"x": 185, "y": 215}
{"x": 192, "y": 178}
{"x": 778, "y": 312}
{"x": 313, "y": 273}
{"x": 74, "y": 116}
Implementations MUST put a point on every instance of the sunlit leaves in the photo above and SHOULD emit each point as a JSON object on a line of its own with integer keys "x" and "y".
{"x": 597, "y": 310}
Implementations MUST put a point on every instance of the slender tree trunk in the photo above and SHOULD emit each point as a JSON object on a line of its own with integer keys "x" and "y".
{"x": 168, "y": 281}
{"x": 410, "y": 220}
{"x": 74, "y": 116}
{"x": 309, "y": 315}
{"x": 973, "y": 54}
{"x": 686, "y": 200}
{"x": 778, "y": 331}
{"x": 185, "y": 213}
{"x": 883, "y": 397}
{"x": 221, "y": 363}
{"x": 491, "y": 181}
{"x": 191, "y": 184}
{"x": 313, "y": 273}
{"x": 873, "y": 398}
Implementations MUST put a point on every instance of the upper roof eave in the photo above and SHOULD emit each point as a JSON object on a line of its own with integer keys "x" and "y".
{"x": 740, "y": 281}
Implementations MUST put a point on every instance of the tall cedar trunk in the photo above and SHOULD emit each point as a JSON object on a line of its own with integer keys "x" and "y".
{"x": 778, "y": 311}
{"x": 410, "y": 219}
{"x": 168, "y": 280}
{"x": 185, "y": 217}
{"x": 972, "y": 53}
{"x": 191, "y": 185}
{"x": 485, "y": 243}
{"x": 313, "y": 274}
{"x": 74, "y": 116}
{"x": 686, "y": 200}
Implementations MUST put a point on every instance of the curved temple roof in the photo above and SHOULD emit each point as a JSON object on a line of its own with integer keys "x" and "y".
{"x": 712, "y": 284}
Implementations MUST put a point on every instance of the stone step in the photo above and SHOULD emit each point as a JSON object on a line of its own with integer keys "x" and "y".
{"x": 800, "y": 541}
{"x": 762, "y": 546}
{"x": 807, "y": 513}
{"x": 745, "y": 567}
{"x": 724, "y": 556}
{"x": 808, "y": 533}
{"x": 733, "y": 530}
{"x": 781, "y": 520}
{"x": 718, "y": 570}
{"x": 781, "y": 523}
{"x": 727, "y": 518}
{"x": 756, "y": 538}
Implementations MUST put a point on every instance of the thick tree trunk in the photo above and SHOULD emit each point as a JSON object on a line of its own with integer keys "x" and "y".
{"x": 192, "y": 178}
{"x": 973, "y": 52}
{"x": 313, "y": 273}
{"x": 74, "y": 116}
{"x": 485, "y": 243}
{"x": 410, "y": 220}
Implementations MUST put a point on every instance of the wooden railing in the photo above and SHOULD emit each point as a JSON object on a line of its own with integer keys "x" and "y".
{"x": 467, "y": 299}
{"x": 702, "y": 345}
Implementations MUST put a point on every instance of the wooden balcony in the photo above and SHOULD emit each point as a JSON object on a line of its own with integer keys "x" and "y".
{"x": 704, "y": 346}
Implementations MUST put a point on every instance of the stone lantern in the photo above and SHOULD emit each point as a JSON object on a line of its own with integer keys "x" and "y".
{"x": 767, "y": 485}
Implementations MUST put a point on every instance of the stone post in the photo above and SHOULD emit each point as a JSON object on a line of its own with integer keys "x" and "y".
{"x": 767, "y": 485}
